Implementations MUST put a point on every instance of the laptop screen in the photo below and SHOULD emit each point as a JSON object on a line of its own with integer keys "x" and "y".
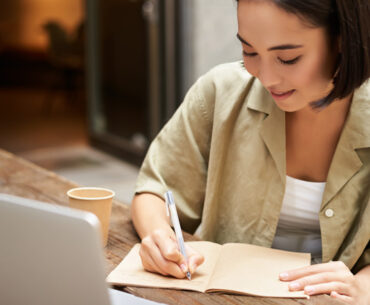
{"x": 49, "y": 255}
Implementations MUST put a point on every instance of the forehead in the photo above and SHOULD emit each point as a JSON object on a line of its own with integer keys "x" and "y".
{"x": 263, "y": 22}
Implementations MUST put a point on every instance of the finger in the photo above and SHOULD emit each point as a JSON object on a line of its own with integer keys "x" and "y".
{"x": 154, "y": 260}
{"x": 195, "y": 260}
{"x": 152, "y": 266}
{"x": 309, "y": 270}
{"x": 168, "y": 248}
{"x": 190, "y": 260}
{"x": 327, "y": 288}
{"x": 165, "y": 265}
{"x": 343, "y": 298}
{"x": 148, "y": 262}
{"x": 324, "y": 277}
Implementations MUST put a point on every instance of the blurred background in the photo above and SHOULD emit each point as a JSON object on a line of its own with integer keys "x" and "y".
{"x": 85, "y": 85}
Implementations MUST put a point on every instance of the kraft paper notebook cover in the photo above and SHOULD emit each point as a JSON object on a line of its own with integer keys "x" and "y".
{"x": 231, "y": 268}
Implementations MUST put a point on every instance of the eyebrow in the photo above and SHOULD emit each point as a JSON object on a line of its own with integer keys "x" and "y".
{"x": 280, "y": 47}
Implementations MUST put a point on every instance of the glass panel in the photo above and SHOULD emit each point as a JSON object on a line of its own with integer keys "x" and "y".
{"x": 118, "y": 82}
{"x": 122, "y": 44}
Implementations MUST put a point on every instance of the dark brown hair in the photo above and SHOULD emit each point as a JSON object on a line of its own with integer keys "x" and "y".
{"x": 348, "y": 21}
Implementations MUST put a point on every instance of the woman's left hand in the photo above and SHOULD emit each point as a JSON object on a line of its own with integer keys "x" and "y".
{"x": 333, "y": 278}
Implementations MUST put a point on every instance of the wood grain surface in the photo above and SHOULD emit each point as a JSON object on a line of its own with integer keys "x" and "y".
{"x": 21, "y": 178}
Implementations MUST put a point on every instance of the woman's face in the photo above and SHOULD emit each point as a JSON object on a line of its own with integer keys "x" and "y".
{"x": 293, "y": 61}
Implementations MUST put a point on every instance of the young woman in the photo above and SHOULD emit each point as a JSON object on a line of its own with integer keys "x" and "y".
{"x": 273, "y": 151}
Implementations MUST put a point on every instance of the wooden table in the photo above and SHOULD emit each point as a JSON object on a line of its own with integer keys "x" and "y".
{"x": 22, "y": 178}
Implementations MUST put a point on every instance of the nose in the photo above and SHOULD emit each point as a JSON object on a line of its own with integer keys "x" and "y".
{"x": 268, "y": 75}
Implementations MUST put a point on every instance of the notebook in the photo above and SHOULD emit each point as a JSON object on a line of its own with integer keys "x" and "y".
{"x": 230, "y": 268}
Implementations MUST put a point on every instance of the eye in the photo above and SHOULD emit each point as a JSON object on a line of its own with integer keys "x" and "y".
{"x": 291, "y": 61}
{"x": 249, "y": 54}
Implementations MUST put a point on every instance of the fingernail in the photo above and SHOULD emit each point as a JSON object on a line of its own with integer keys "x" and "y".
{"x": 294, "y": 286}
{"x": 309, "y": 289}
{"x": 284, "y": 276}
{"x": 183, "y": 268}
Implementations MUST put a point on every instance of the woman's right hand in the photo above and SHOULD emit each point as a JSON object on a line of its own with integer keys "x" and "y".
{"x": 160, "y": 253}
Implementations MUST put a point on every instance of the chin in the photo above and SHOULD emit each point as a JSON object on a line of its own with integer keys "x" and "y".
{"x": 292, "y": 104}
{"x": 289, "y": 106}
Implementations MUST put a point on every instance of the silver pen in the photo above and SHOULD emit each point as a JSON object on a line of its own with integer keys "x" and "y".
{"x": 172, "y": 212}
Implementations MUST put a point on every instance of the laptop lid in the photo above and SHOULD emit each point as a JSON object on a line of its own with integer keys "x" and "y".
{"x": 49, "y": 254}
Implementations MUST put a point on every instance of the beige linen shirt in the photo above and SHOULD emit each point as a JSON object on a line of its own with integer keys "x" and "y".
{"x": 223, "y": 156}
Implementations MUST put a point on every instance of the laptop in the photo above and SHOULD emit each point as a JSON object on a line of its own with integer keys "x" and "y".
{"x": 52, "y": 255}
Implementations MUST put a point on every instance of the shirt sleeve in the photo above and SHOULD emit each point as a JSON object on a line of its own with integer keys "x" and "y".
{"x": 177, "y": 158}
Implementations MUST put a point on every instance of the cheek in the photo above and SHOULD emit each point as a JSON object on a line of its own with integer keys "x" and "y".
{"x": 250, "y": 66}
{"x": 311, "y": 76}
{"x": 303, "y": 76}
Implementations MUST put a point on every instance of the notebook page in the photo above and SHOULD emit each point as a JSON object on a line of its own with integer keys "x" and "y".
{"x": 255, "y": 270}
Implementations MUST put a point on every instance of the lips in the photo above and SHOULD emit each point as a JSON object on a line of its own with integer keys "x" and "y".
{"x": 279, "y": 95}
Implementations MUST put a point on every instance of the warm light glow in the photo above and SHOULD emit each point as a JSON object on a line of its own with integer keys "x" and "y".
{"x": 24, "y": 26}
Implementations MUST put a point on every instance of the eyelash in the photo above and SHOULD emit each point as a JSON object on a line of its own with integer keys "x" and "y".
{"x": 284, "y": 62}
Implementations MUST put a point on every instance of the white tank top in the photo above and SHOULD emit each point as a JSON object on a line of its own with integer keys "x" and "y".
{"x": 299, "y": 227}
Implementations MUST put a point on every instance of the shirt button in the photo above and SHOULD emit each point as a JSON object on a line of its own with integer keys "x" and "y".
{"x": 329, "y": 213}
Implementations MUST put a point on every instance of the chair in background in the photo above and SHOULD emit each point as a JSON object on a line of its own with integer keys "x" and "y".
{"x": 66, "y": 55}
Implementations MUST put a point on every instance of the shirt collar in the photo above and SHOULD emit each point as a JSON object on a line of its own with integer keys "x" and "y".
{"x": 358, "y": 126}
{"x": 272, "y": 128}
{"x": 259, "y": 98}
{"x": 355, "y": 134}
